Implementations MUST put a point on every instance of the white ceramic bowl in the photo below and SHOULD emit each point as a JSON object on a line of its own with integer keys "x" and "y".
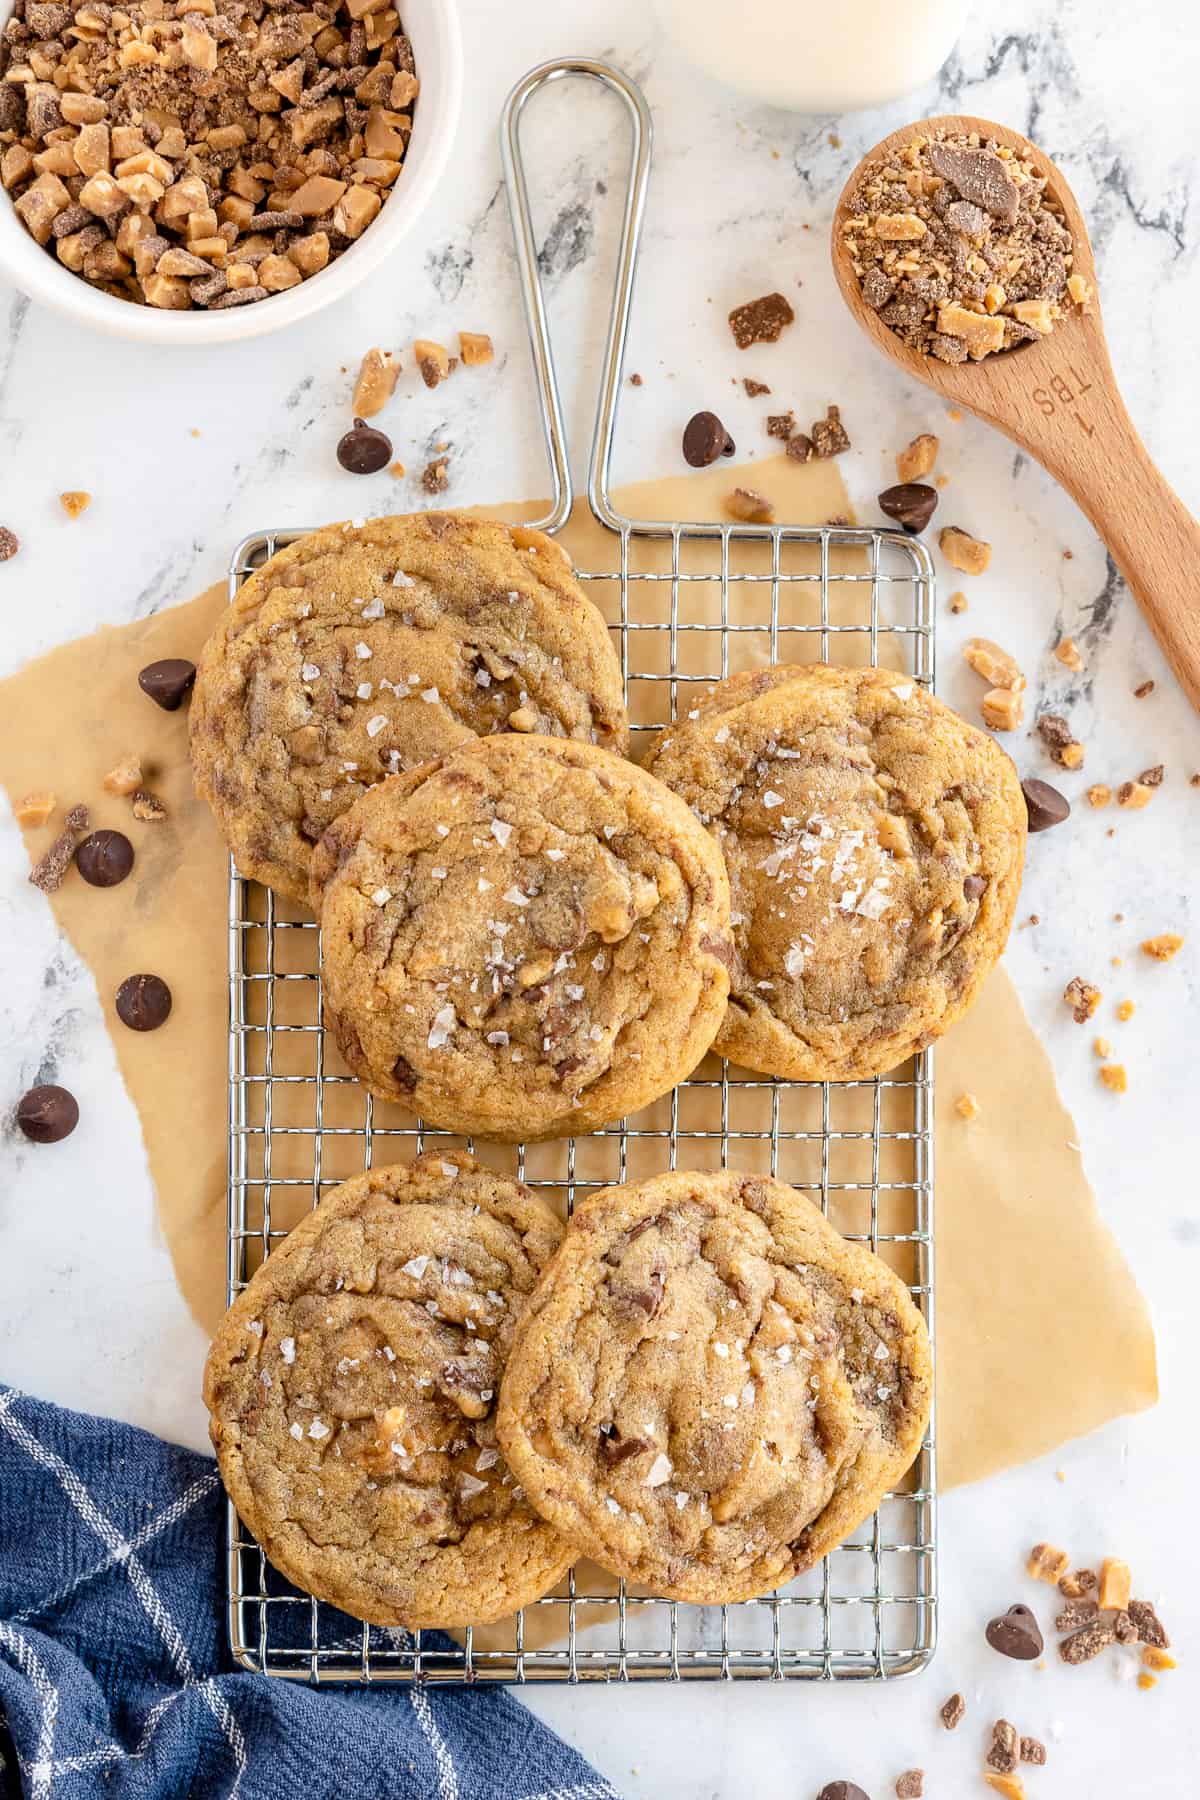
{"x": 437, "y": 50}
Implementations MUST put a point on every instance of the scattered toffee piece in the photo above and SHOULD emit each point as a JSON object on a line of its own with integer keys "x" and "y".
{"x": 842, "y": 1790}
{"x": 910, "y": 1785}
{"x": 829, "y": 435}
{"x": 9, "y": 543}
{"x": 104, "y": 858}
{"x": 168, "y": 682}
{"x": 911, "y": 503}
{"x": 147, "y": 807}
{"x": 47, "y": 1114}
{"x": 953, "y": 1711}
{"x": 1016, "y": 1633}
{"x": 704, "y": 439}
{"x": 364, "y": 450}
{"x": 754, "y": 388}
{"x": 1089, "y": 1642}
{"x": 143, "y": 1002}
{"x": 781, "y": 425}
{"x": 760, "y": 321}
{"x": 1005, "y": 1751}
{"x": 1054, "y": 731}
{"x": 435, "y": 477}
{"x": 800, "y": 448}
{"x": 1033, "y": 1751}
{"x": 47, "y": 874}
{"x": 1044, "y": 804}
{"x": 1143, "y": 690}
{"x": 1149, "y": 1626}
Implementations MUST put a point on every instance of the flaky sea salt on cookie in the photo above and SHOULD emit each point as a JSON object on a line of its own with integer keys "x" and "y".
{"x": 352, "y": 1387}
{"x": 710, "y": 1388}
{"x": 874, "y": 842}
{"x": 361, "y": 650}
{"x": 526, "y": 939}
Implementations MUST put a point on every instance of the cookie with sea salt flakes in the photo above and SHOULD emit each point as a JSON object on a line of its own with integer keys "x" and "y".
{"x": 709, "y": 1388}
{"x": 525, "y": 939}
{"x": 362, "y": 650}
{"x": 352, "y": 1387}
{"x": 874, "y": 842}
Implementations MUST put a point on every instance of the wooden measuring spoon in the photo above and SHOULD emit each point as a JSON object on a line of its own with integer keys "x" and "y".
{"x": 1058, "y": 399}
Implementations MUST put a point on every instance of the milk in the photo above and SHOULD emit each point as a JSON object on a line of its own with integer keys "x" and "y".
{"x": 817, "y": 56}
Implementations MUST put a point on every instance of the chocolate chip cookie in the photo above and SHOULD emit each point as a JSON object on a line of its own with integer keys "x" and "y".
{"x": 352, "y": 1387}
{"x": 359, "y": 651}
{"x": 526, "y": 939}
{"x": 874, "y": 842}
{"x": 710, "y": 1388}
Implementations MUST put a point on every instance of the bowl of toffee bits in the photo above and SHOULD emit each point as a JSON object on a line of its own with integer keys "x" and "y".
{"x": 190, "y": 171}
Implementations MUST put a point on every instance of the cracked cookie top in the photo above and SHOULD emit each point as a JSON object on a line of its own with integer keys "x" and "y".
{"x": 526, "y": 939}
{"x": 352, "y": 1387}
{"x": 874, "y": 842}
{"x": 710, "y": 1388}
{"x": 359, "y": 651}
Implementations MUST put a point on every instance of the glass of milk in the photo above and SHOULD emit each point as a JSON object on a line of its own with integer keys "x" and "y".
{"x": 817, "y": 56}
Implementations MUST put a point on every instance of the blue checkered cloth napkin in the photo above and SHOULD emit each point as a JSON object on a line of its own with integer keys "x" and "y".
{"x": 115, "y": 1678}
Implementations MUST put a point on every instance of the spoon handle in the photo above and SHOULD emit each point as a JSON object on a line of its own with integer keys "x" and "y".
{"x": 1068, "y": 413}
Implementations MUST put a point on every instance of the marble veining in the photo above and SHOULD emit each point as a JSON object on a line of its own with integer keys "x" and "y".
{"x": 186, "y": 452}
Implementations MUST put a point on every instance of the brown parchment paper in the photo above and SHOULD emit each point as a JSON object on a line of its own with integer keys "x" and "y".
{"x": 1042, "y": 1333}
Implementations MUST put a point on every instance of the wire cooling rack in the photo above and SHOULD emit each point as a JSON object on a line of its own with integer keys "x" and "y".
{"x": 686, "y": 604}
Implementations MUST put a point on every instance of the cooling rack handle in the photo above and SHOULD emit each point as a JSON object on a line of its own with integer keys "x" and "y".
{"x": 641, "y": 131}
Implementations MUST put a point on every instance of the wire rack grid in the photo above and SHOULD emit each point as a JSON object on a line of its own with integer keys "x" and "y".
{"x": 685, "y": 604}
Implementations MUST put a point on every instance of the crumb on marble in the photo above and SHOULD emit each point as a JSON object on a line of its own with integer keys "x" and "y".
{"x": 1163, "y": 947}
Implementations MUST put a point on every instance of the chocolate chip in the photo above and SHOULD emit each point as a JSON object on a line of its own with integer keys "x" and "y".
{"x": 704, "y": 439}
{"x": 363, "y": 450}
{"x": 168, "y": 682}
{"x": 617, "y": 1449}
{"x": 1044, "y": 804}
{"x": 143, "y": 1002}
{"x": 842, "y": 1790}
{"x": 104, "y": 858}
{"x": 911, "y": 503}
{"x": 47, "y": 1114}
{"x": 973, "y": 886}
{"x": 1016, "y": 1633}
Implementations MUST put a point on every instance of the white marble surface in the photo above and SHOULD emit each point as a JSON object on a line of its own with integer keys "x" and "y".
{"x": 740, "y": 202}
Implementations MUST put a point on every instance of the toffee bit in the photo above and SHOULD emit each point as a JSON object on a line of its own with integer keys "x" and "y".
{"x": 1005, "y": 1750}
{"x": 9, "y": 544}
{"x": 1143, "y": 690}
{"x": 760, "y": 321}
{"x": 1033, "y": 1751}
{"x": 48, "y": 873}
{"x": 754, "y": 388}
{"x": 1083, "y": 998}
{"x": 1083, "y": 1645}
{"x": 1150, "y": 1628}
{"x": 435, "y": 477}
{"x": 36, "y": 809}
{"x": 781, "y": 425}
{"x": 749, "y": 506}
{"x": 910, "y": 1785}
{"x": 147, "y": 807}
{"x": 75, "y": 502}
{"x": 953, "y": 1711}
{"x": 829, "y": 435}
